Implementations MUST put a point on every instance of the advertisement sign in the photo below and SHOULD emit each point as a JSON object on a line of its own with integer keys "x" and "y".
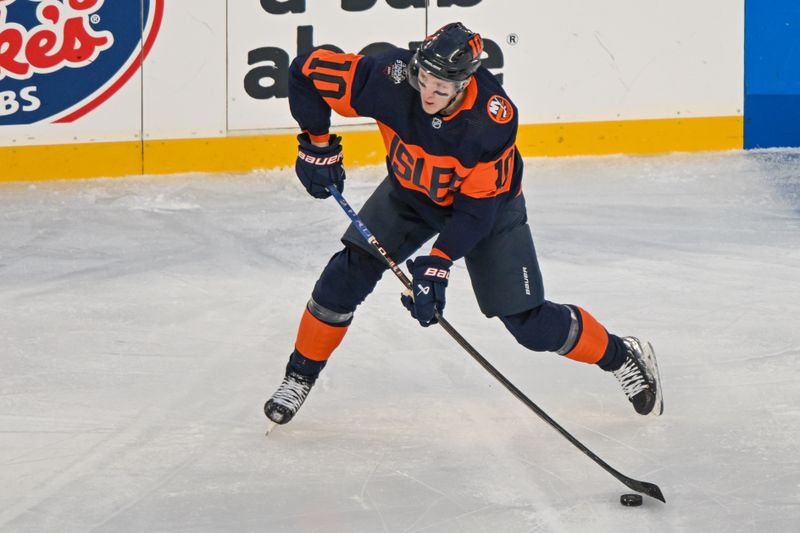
{"x": 157, "y": 79}
{"x": 60, "y": 59}
{"x": 559, "y": 61}
{"x": 270, "y": 33}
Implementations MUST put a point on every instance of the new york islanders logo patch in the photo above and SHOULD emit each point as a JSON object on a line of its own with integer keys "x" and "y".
{"x": 499, "y": 109}
{"x": 60, "y": 59}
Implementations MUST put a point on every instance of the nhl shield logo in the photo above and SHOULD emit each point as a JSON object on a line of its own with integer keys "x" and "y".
{"x": 60, "y": 59}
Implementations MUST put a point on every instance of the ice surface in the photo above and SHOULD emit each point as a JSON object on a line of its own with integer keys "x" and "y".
{"x": 144, "y": 321}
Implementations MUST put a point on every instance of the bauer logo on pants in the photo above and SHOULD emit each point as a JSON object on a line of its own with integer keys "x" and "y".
{"x": 60, "y": 59}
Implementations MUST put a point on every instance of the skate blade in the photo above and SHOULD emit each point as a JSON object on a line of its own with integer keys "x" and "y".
{"x": 270, "y": 426}
{"x": 650, "y": 355}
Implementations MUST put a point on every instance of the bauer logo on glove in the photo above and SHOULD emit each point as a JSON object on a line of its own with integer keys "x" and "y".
{"x": 430, "y": 276}
{"x": 320, "y": 167}
{"x": 433, "y": 272}
{"x": 322, "y": 161}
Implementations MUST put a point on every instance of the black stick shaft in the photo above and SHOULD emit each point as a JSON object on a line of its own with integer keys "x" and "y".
{"x": 640, "y": 486}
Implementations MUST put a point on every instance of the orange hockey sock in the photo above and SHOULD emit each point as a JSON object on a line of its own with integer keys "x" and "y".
{"x": 593, "y": 340}
{"x": 317, "y": 340}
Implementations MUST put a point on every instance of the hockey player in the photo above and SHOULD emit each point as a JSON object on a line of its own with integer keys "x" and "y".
{"x": 453, "y": 171}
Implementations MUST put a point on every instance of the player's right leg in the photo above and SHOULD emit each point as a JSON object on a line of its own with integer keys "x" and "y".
{"x": 345, "y": 282}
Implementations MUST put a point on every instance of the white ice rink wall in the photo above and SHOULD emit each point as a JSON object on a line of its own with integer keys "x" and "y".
{"x": 114, "y": 88}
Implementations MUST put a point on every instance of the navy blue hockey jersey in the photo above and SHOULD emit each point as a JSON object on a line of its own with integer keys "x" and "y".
{"x": 465, "y": 162}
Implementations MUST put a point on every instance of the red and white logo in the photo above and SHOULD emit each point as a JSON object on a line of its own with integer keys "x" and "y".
{"x": 60, "y": 59}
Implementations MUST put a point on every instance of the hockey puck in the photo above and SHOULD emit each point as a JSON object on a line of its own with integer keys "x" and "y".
{"x": 631, "y": 500}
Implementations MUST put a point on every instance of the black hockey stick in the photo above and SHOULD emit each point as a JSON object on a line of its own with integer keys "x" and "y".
{"x": 644, "y": 487}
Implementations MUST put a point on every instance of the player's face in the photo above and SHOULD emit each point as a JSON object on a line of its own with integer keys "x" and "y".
{"x": 436, "y": 93}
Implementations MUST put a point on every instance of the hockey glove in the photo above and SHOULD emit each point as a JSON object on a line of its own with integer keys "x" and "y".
{"x": 320, "y": 167}
{"x": 430, "y": 275}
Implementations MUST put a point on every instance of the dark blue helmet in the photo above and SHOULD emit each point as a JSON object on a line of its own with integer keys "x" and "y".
{"x": 452, "y": 53}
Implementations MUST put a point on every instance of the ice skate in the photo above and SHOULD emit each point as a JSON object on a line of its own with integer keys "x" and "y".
{"x": 639, "y": 377}
{"x": 287, "y": 400}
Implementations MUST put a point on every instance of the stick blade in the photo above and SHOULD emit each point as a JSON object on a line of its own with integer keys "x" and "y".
{"x": 650, "y": 489}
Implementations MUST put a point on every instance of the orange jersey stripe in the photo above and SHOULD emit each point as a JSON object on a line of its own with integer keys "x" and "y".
{"x": 440, "y": 176}
{"x": 593, "y": 340}
{"x": 332, "y": 74}
{"x": 317, "y": 340}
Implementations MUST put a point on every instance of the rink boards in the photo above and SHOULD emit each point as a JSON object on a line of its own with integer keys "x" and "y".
{"x": 201, "y": 85}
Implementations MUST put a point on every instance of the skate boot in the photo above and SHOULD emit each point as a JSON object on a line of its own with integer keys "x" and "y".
{"x": 639, "y": 377}
{"x": 286, "y": 401}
